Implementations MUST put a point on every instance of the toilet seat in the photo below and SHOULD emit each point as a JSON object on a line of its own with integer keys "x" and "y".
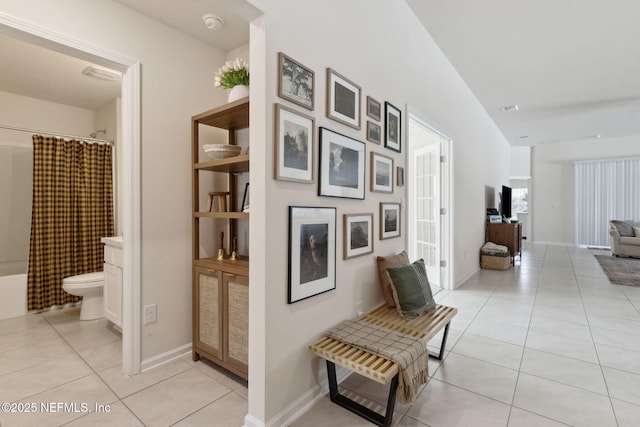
{"x": 86, "y": 278}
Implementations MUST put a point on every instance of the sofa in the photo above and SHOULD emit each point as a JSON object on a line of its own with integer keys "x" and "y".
{"x": 625, "y": 238}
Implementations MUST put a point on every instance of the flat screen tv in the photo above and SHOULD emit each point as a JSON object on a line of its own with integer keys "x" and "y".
{"x": 506, "y": 202}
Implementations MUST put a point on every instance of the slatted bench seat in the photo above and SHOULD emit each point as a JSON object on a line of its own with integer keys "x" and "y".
{"x": 376, "y": 367}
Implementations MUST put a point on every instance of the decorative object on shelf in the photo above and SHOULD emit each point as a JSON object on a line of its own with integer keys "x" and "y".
{"x": 342, "y": 166}
{"x": 400, "y": 176}
{"x": 220, "y": 198}
{"x": 393, "y": 127}
{"x": 234, "y": 249}
{"x": 237, "y": 92}
{"x": 234, "y": 75}
{"x": 312, "y": 251}
{"x": 389, "y": 220}
{"x": 295, "y": 82}
{"x": 221, "y": 250}
{"x": 245, "y": 199}
{"x": 221, "y": 151}
{"x": 373, "y": 132}
{"x": 381, "y": 173}
{"x": 358, "y": 235}
{"x": 343, "y": 99}
{"x": 373, "y": 108}
{"x": 294, "y": 145}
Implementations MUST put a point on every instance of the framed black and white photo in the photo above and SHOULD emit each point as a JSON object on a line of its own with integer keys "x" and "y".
{"x": 343, "y": 99}
{"x": 294, "y": 147}
{"x": 358, "y": 235}
{"x": 373, "y": 108}
{"x": 381, "y": 173}
{"x": 295, "y": 82}
{"x": 389, "y": 220}
{"x": 312, "y": 251}
{"x": 373, "y": 132}
{"x": 400, "y": 176}
{"x": 393, "y": 127}
{"x": 342, "y": 166}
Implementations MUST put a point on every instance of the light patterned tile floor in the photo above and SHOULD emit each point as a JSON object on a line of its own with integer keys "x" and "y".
{"x": 549, "y": 342}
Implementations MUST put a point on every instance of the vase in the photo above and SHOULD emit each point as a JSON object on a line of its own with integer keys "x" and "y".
{"x": 237, "y": 92}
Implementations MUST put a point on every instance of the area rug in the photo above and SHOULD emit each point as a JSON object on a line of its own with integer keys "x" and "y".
{"x": 621, "y": 271}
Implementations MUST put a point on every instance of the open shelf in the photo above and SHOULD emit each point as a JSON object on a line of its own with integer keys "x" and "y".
{"x": 222, "y": 215}
{"x": 236, "y": 164}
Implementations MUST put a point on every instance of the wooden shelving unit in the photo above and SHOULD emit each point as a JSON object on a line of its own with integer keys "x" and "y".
{"x": 220, "y": 288}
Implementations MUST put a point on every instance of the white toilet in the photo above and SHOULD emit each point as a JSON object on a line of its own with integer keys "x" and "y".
{"x": 89, "y": 286}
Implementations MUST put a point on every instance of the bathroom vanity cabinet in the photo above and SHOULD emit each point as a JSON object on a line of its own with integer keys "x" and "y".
{"x": 112, "y": 293}
{"x": 220, "y": 287}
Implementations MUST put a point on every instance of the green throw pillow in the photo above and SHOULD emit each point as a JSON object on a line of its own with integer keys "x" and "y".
{"x": 411, "y": 290}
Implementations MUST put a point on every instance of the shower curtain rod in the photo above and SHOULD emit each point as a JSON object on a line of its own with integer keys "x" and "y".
{"x": 84, "y": 138}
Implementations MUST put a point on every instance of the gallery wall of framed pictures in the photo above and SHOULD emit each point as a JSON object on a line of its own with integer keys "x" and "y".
{"x": 335, "y": 153}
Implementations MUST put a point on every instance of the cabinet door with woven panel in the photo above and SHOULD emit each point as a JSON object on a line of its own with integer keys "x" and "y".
{"x": 236, "y": 289}
{"x": 208, "y": 325}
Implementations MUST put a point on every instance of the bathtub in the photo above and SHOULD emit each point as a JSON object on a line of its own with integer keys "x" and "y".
{"x": 13, "y": 290}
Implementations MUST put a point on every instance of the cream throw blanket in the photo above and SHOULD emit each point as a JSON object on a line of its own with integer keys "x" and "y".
{"x": 408, "y": 352}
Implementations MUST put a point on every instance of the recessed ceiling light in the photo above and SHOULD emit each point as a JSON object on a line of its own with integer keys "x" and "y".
{"x": 101, "y": 73}
{"x": 597, "y": 136}
{"x": 213, "y": 22}
{"x": 509, "y": 108}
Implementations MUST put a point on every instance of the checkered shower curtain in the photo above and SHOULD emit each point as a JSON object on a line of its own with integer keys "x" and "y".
{"x": 72, "y": 209}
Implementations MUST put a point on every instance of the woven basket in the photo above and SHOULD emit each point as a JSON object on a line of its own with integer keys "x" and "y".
{"x": 495, "y": 262}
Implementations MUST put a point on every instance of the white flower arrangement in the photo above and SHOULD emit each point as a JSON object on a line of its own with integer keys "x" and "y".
{"x": 233, "y": 73}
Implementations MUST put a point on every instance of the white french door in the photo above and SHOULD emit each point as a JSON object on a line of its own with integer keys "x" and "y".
{"x": 426, "y": 209}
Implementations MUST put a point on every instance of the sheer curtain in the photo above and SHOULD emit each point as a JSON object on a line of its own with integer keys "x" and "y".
{"x": 72, "y": 209}
{"x": 605, "y": 190}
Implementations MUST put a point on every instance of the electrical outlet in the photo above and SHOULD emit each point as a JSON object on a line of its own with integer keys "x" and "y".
{"x": 150, "y": 312}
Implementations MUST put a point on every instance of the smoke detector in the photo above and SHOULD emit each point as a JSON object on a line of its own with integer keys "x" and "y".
{"x": 213, "y": 22}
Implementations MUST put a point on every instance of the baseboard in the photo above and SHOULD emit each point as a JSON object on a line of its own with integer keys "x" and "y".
{"x": 465, "y": 278}
{"x": 301, "y": 405}
{"x": 165, "y": 357}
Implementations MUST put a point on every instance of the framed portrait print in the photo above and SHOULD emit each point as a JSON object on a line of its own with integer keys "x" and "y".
{"x": 312, "y": 251}
{"x": 381, "y": 173}
{"x": 373, "y": 132}
{"x": 343, "y": 99}
{"x": 393, "y": 127}
{"x": 342, "y": 166}
{"x": 294, "y": 147}
{"x": 373, "y": 108}
{"x": 295, "y": 82}
{"x": 389, "y": 220}
{"x": 400, "y": 176}
{"x": 358, "y": 235}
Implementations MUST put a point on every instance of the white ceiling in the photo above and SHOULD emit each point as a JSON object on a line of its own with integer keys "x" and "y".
{"x": 571, "y": 66}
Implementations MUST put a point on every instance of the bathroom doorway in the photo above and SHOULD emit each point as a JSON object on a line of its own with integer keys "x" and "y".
{"x": 129, "y": 147}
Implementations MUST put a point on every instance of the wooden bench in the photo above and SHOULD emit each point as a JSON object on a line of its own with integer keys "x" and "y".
{"x": 375, "y": 367}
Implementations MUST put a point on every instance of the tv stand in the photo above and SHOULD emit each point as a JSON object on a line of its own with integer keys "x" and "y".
{"x": 509, "y": 235}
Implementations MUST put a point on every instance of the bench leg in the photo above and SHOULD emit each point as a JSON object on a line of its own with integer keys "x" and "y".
{"x": 440, "y": 355}
{"x": 357, "y": 408}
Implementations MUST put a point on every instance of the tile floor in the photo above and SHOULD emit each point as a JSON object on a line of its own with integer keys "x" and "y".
{"x": 547, "y": 343}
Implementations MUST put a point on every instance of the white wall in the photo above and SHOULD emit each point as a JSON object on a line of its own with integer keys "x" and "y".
{"x": 177, "y": 82}
{"x": 553, "y": 184}
{"x": 397, "y": 62}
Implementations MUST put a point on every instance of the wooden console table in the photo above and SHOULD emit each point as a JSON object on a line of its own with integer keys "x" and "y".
{"x": 509, "y": 235}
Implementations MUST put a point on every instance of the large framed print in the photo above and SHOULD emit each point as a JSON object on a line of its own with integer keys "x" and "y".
{"x": 343, "y": 99}
{"x": 295, "y": 82}
{"x": 393, "y": 127}
{"x": 312, "y": 251}
{"x": 358, "y": 235}
{"x": 381, "y": 173}
{"x": 342, "y": 166}
{"x": 294, "y": 147}
{"x": 389, "y": 220}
